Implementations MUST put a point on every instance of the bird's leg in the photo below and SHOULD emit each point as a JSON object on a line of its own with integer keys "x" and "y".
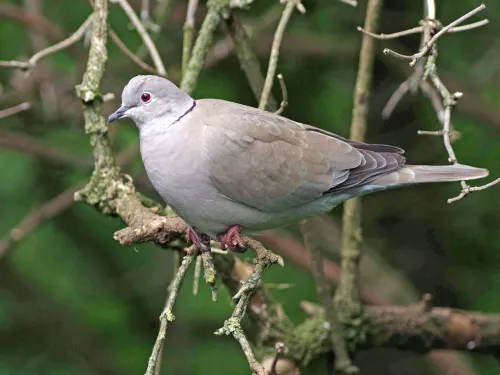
{"x": 232, "y": 240}
{"x": 201, "y": 241}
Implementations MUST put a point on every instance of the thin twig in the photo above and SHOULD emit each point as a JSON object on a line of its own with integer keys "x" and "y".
{"x": 31, "y": 63}
{"x": 420, "y": 29}
{"x": 249, "y": 62}
{"x": 347, "y": 294}
{"x": 284, "y": 93}
{"x": 14, "y": 110}
{"x": 202, "y": 44}
{"x": 399, "y": 34}
{"x": 197, "y": 273}
{"x": 280, "y": 350}
{"x": 232, "y": 326}
{"x": 33, "y": 146}
{"x": 469, "y": 26}
{"x": 352, "y": 3}
{"x": 471, "y": 189}
{"x": 275, "y": 50}
{"x": 122, "y": 46}
{"x": 37, "y": 217}
{"x": 342, "y": 360}
{"x": 187, "y": 42}
{"x": 167, "y": 313}
{"x": 153, "y": 52}
{"x": 395, "y": 98}
{"x": 427, "y": 47}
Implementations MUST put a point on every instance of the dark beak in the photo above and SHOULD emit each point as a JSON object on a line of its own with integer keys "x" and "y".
{"x": 119, "y": 113}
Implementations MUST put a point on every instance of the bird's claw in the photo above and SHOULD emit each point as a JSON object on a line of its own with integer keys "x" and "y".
{"x": 232, "y": 240}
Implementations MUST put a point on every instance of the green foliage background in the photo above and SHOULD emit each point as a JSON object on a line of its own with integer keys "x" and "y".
{"x": 73, "y": 301}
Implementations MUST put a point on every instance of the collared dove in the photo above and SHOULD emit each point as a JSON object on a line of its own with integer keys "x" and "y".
{"x": 224, "y": 167}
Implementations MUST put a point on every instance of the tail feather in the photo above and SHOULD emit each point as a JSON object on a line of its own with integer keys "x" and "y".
{"x": 416, "y": 174}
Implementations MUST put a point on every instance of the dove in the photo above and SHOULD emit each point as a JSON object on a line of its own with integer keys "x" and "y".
{"x": 226, "y": 168}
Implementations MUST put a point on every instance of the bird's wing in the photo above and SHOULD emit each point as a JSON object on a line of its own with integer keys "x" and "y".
{"x": 269, "y": 162}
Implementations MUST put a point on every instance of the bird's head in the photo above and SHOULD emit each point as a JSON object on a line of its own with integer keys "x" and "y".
{"x": 147, "y": 99}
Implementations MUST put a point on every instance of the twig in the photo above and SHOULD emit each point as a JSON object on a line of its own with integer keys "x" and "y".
{"x": 122, "y": 46}
{"x": 352, "y": 3}
{"x": 280, "y": 349}
{"x": 248, "y": 60}
{"x": 14, "y": 110}
{"x": 210, "y": 274}
{"x": 30, "y": 64}
{"x": 415, "y": 30}
{"x": 187, "y": 43}
{"x": 202, "y": 44}
{"x": 284, "y": 98}
{"x": 469, "y": 26}
{"x": 275, "y": 50}
{"x": 232, "y": 326}
{"x": 471, "y": 189}
{"x": 420, "y": 29}
{"x": 31, "y": 145}
{"x": 167, "y": 313}
{"x": 153, "y": 52}
{"x": 396, "y": 97}
{"x": 197, "y": 273}
{"x": 342, "y": 361}
{"x": 427, "y": 46}
{"x": 347, "y": 294}
{"x": 145, "y": 9}
{"x": 37, "y": 217}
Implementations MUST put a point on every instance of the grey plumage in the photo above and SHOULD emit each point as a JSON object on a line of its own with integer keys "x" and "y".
{"x": 220, "y": 164}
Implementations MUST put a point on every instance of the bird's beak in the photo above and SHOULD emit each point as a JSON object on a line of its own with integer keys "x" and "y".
{"x": 119, "y": 113}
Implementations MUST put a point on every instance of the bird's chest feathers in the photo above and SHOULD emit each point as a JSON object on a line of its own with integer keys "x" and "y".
{"x": 172, "y": 160}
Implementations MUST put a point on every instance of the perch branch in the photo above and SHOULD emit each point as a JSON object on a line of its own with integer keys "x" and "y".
{"x": 31, "y": 63}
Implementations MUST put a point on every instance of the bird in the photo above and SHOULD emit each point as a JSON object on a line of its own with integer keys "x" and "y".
{"x": 228, "y": 169}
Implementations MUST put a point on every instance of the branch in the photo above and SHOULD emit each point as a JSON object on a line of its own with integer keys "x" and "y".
{"x": 248, "y": 60}
{"x": 284, "y": 95}
{"x": 214, "y": 16}
{"x": 14, "y": 110}
{"x": 418, "y": 327}
{"x": 31, "y": 63}
{"x": 343, "y": 363}
{"x": 37, "y": 217}
{"x": 122, "y": 46}
{"x": 187, "y": 43}
{"x": 347, "y": 294}
{"x": 31, "y": 145}
{"x": 232, "y": 326}
{"x": 275, "y": 50}
{"x": 153, "y": 52}
{"x": 167, "y": 313}
{"x": 427, "y": 46}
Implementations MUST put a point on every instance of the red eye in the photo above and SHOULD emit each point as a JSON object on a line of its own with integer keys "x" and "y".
{"x": 146, "y": 97}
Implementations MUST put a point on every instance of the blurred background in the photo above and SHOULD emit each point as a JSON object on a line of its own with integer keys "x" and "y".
{"x": 73, "y": 301}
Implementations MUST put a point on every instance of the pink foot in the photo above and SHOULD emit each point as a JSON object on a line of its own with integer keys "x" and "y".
{"x": 232, "y": 240}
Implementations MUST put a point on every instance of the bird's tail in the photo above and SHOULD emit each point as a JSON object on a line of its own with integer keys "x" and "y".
{"x": 416, "y": 174}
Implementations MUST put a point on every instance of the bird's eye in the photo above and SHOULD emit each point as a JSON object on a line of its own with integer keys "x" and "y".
{"x": 145, "y": 97}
